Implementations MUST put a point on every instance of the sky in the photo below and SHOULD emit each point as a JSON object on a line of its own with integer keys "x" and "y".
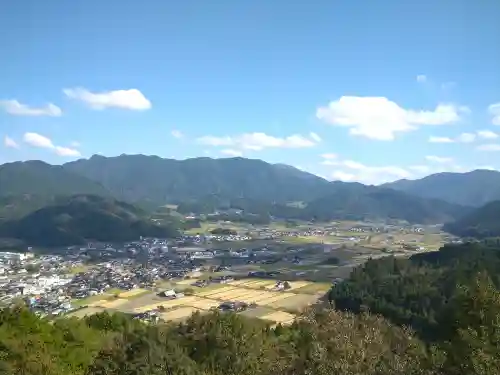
{"x": 351, "y": 90}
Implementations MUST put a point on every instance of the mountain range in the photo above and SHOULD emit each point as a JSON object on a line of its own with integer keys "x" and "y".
{"x": 206, "y": 184}
{"x": 473, "y": 189}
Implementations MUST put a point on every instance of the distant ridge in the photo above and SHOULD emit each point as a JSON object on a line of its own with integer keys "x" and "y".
{"x": 474, "y": 188}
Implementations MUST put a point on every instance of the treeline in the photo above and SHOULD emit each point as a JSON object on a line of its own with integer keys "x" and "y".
{"x": 320, "y": 343}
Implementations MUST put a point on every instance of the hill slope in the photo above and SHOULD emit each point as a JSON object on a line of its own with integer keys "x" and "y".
{"x": 356, "y": 201}
{"x": 140, "y": 177}
{"x": 474, "y": 188}
{"x": 79, "y": 218}
{"x": 480, "y": 223}
{"x": 36, "y": 177}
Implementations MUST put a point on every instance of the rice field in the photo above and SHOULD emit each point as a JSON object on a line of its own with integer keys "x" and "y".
{"x": 182, "y": 312}
{"x": 132, "y": 293}
{"x": 279, "y": 317}
{"x": 260, "y": 292}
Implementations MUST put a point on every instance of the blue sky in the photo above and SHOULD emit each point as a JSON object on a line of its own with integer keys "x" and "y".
{"x": 352, "y": 90}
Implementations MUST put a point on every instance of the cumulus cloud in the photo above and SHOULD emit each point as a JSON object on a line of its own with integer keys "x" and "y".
{"x": 131, "y": 99}
{"x": 433, "y": 139}
{"x": 380, "y": 118}
{"x": 40, "y": 141}
{"x": 465, "y": 137}
{"x": 176, "y": 134}
{"x": 342, "y": 176}
{"x": 494, "y": 111}
{"x": 329, "y": 156}
{"x": 15, "y": 108}
{"x": 257, "y": 141}
{"x": 37, "y": 140}
{"x": 9, "y": 142}
{"x": 439, "y": 159}
{"x": 487, "y": 134}
{"x": 66, "y": 151}
{"x": 231, "y": 152}
{"x": 350, "y": 170}
{"x": 489, "y": 147}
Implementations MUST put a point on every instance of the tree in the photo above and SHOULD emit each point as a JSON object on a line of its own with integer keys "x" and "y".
{"x": 474, "y": 316}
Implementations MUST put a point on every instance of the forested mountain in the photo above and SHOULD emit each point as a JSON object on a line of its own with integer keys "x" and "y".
{"x": 77, "y": 219}
{"x": 448, "y": 297}
{"x": 205, "y": 185}
{"x": 35, "y": 177}
{"x": 357, "y": 201}
{"x": 346, "y": 201}
{"x": 151, "y": 178}
{"x": 480, "y": 223}
{"x": 474, "y": 188}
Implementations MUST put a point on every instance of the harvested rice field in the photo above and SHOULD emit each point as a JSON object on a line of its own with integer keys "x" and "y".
{"x": 132, "y": 293}
{"x": 113, "y": 304}
{"x": 279, "y": 317}
{"x": 86, "y": 311}
{"x": 293, "y": 285}
{"x": 182, "y": 312}
{"x": 295, "y": 301}
{"x": 270, "y": 304}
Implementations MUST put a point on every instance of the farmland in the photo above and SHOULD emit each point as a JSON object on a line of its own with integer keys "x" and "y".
{"x": 267, "y": 303}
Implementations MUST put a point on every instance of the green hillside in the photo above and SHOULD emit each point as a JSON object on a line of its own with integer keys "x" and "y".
{"x": 480, "y": 223}
{"x": 77, "y": 219}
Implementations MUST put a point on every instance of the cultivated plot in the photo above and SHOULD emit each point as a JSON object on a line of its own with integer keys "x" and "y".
{"x": 293, "y": 285}
{"x": 86, "y": 311}
{"x": 182, "y": 312}
{"x": 295, "y": 301}
{"x": 132, "y": 293}
{"x": 279, "y": 317}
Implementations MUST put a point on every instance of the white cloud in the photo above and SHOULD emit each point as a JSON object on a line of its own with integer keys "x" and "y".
{"x": 315, "y": 137}
{"x": 379, "y": 118}
{"x": 176, "y": 134}
{"x": 489, "y": 147}
{"x": 131, "y": 99}
{"x": 438, "y": 159}
{"x": 487, "y": 134}
{"x": 257, "y": 141}
{"x": 66, "y": 151}
{"x": 349, "y": 170}
{"x": 231, "y": 152}
{"x": 433, "y": 139}
{"x": 9, "y": 142}
{"x": 342, "y": 176}
{"x": 13, "y": 107}
{"x": 75, "y": 144}
{"x": 40, "y": 141}
{"x": 494, "y": 110}
{"x": 37, "y": 140}
{"x": 329, "y": 156}
{"x": 466, "y": 138}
